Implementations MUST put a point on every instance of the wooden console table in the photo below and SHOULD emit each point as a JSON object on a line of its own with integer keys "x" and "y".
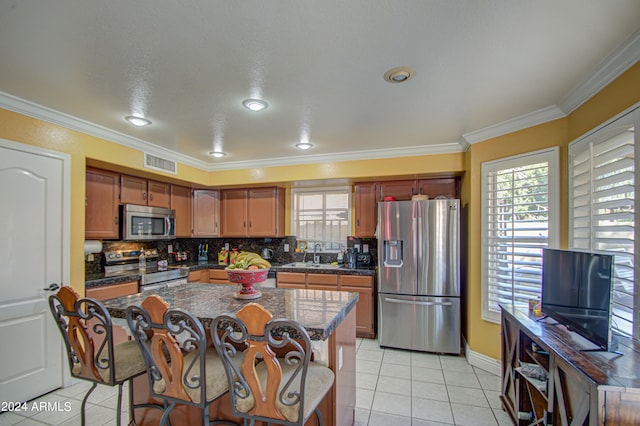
{"x": 581, "y": 388}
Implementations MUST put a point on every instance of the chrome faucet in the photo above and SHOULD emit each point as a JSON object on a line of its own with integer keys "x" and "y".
{"x": 316, "y": 257}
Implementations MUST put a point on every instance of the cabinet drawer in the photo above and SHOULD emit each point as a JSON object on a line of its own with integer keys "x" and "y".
{"x": 111, "y": 291}
{"x": 356, "y": 281}
{"x": 218, "y": 274}
{"x": 291, "y": 277}
{"x": 322, "y": 279}
{"x": 290, "y": 285}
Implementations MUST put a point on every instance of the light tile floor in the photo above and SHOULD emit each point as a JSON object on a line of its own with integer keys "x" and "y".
{"x": 394, "y": 387}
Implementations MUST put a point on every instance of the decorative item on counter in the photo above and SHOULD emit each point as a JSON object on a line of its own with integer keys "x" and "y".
{"x": 233, "y": 255}
{"x": 389, "y": 198}
{"x": 223, "y": 257}
{"x": 248, "y": 269}
{"x": 302, "y": 246}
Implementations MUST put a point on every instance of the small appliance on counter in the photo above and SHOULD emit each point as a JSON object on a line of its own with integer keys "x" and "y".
{"x": 203, "y": 252}
{"x": 351, "y": 258}
{"x": 364, "y": 260}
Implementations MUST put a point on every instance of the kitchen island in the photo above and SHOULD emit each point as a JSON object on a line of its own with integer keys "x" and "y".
{"x": 328, "y": 317}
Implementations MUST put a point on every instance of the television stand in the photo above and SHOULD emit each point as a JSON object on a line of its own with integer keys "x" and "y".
{"x": 548, "y": 379}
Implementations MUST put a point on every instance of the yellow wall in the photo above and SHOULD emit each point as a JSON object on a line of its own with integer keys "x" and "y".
{"x": 483, "y": 336}
{"x": 84, "y": 148}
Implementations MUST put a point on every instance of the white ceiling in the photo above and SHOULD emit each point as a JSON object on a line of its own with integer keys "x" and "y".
{"x": 481, "y": 66}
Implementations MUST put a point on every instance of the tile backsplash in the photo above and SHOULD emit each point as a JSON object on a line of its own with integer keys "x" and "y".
{"x": 190, "y": 246}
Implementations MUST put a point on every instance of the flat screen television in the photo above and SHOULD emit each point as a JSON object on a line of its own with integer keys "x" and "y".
{"x": 576, "y": 292}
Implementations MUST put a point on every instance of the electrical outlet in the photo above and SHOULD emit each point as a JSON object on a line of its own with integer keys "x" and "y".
{"x": 365, "y": 248}
{"x": 226, "y": 246}
{"x": 90, "y": 257}
{"x": 357, "y": 246}
{"x": 286, "y": 248}
{"x": 170, "y": 248}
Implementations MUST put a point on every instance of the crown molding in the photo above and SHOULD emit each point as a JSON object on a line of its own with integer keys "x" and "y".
{"x": 623, "y": 58}
{"x": 40, "y": 112}
{"x": 445, "y": 148}
{"x": 509, "y": 126}
{"x": 31, "y": 109}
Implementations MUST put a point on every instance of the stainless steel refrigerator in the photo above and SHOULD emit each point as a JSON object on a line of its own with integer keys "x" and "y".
{"x": 419, "y": 275}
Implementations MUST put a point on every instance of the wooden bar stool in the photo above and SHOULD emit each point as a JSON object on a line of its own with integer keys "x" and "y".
{"x": 87, "y": 332}
{"x": 180, "y": 368}
{"x": 269, "y": 368}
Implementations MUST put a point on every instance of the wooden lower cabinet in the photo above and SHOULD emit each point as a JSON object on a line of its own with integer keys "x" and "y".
{"x": 581, "y": 387}
{"x": 218, "y": 276}
{"x": 361, "y": 284}
{"x": 199, "y": 276}
{"x": 109, "y": 292}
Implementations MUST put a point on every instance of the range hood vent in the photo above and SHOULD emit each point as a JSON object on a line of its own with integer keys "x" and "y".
{"x": 157, "y": 163}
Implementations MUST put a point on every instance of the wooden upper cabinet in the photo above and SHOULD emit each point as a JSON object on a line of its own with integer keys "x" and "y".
{"x": 266, "y": 212}
{"x": 234, "y": 212}
{"x": 206, "y": 213}
{"x": 144, "y": 192}
{"x": 255, "y": 212}
{"x": 159, "y": 194}
{"x": 102, "y": 216}
{"x": 447, "y": 187}
{"x": 366, "y": 209}
{"x": 181, "y": 203}
{"x": 402, "y": 190}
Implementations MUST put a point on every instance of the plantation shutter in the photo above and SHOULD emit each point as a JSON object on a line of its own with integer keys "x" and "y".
{"x": 602, "y": 214}
{"x": 519, "y": 209}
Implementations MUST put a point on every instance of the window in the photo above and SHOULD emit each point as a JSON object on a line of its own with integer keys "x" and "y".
{"x": 519, "y": 219}
{"x": 322, "y": 216}
{"x": 602, "y": 214}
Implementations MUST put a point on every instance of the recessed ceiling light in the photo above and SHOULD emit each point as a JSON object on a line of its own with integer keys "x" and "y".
{"x": 137, "y": 121}
{"x": 304, "y": 145}
{"x": 255, "y": 104}
{"x": 399, "y": 74}
{"x": 217, "y": 154}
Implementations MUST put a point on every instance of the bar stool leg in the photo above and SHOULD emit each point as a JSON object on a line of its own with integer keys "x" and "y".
{"x": 84, "y": 403}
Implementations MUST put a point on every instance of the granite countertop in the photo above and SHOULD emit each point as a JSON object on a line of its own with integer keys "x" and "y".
{"x": 102, "y": 279}
{"x": 319, "y": 312}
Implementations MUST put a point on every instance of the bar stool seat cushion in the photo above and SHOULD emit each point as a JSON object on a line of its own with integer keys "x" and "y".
{"x": 127, "y": 359}
{"x": 319, "y": 381}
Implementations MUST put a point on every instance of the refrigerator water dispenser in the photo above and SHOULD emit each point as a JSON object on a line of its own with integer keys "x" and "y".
{"x": 393, "y": 253}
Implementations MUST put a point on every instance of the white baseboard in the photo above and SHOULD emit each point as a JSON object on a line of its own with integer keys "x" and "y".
{"x": 482, "y": 361}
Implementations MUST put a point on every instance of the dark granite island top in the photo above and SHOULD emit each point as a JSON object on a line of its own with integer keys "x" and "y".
{"x": 319, "y": 312}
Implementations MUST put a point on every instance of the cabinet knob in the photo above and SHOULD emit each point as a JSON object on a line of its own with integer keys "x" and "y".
{"x": 151, "y": 197}
{"x": 144, "y": 195}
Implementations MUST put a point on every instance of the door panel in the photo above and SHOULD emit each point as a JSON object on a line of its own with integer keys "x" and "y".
{"x": 31, "y": 257}
{"x": 427, "y": 323}
{"x": 397, "y": 268}
{"x": 439, "y": 248}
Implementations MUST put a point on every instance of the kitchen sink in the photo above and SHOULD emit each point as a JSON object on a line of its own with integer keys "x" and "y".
{"x": 312, "y": 265}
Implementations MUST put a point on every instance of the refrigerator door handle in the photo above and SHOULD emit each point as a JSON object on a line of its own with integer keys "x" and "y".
{"x": 412, "y": 302}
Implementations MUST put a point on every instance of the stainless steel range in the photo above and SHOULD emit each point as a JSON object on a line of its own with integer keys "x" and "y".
{"x": 122, "y": 262}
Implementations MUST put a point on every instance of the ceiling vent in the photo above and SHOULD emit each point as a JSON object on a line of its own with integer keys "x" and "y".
{"x": 157, "y": 163}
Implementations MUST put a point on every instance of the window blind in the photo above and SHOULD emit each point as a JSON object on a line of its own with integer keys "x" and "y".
{"x": 602, "y": 181}
{"x": 519, "y": 209}
{"x": 321, "y": 216}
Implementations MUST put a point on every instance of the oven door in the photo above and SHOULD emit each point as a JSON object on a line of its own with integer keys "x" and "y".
{"x": 147, "y": 223}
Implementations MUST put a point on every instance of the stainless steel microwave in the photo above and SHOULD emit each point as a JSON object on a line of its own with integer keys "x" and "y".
{"x": 147, "y": 223}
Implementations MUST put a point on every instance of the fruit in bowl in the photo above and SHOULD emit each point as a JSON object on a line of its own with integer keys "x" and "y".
{"x": 248, "y": 269}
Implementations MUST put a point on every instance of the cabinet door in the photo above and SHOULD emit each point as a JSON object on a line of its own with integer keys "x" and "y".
{"x": 133, "y": 190}
{"x": 233, "y": 211}
{"x": 366, "y": 209}
{"x": 181, "y": 203}
{"x": 363, "y": 285}
{"x": 265, "y": 212}
{"x": 291, "y": 280}
{"x": 402, "y": 190}
{"x": 197, "y": 276}
{"x": 206, "y": 213}
{"x": 101, "y": 205}
{"x": 364, "y": 311}
{"x": 159, "y": 194}
{"x": 447, "y": 187}
{"x": 219, "y": 276}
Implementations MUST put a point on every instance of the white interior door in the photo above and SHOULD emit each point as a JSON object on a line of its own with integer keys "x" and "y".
{"x": 33, "y": 253}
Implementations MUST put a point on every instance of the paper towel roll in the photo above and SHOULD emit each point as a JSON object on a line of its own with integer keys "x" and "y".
{"x": 92, "y": 246}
